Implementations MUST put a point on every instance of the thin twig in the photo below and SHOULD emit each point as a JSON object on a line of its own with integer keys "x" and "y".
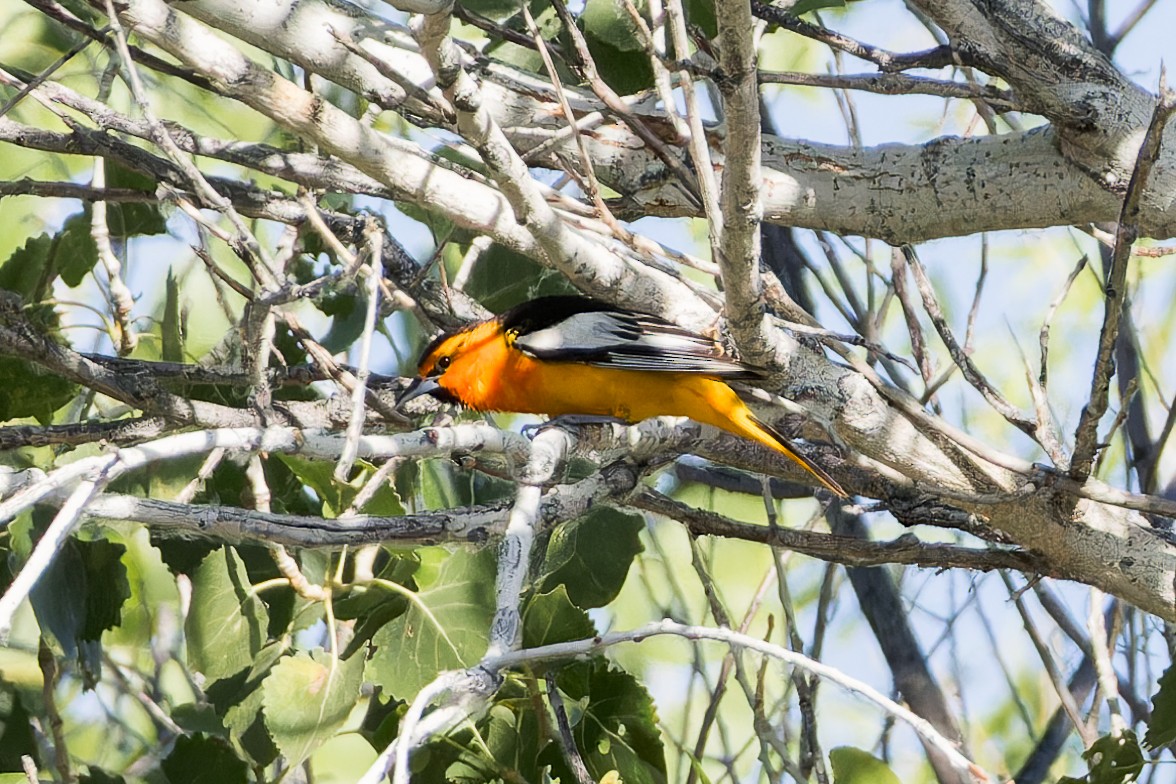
{"x": 962, "y": 360}
{"x": 359, "y": 391}
{"x": 654, "y": 41}
{"x": 839, "y": 549}
{"x": 262, "y": 269}
{"x": 49, "y": 680}
{"x": 576, "y": 648}
{"x": 765, "y": 733}
{"x": 1108, "y": 683}
{"x": 938, "y": 57}
{"x": 121, "y": 300}
{"x": 698, "y": 146}
{"x": 567, "y": 740}
{"x": 1086, "y": 434}
{"x": 1050, "y": 664}
{"x": 1128, "y": 24}
{"x": 617, "y": 106}
{"x": 894, "y": 84}
{"x": 412, "y": 719}
{"x": 898, "y": 279}
{"x": 42, "y": 77}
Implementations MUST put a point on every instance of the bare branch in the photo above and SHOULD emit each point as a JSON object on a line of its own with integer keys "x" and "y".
{"x": 840, "y": 549}
{"x": 886, "y": 61}
{"x": 582, "y": 647}
{"x": 1086, "y": 434}
{"x": 961, "y": 358}
{"x": 895, "y": 84}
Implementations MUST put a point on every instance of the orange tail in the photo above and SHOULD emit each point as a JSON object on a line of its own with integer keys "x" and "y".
{"x": 768, "y": 436}
{"x": 721, "y": 407}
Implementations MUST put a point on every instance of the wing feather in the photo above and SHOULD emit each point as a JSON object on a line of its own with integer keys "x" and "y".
{"x": 634, "y": 341}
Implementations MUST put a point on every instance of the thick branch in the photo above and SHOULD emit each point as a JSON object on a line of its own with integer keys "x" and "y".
{"x": 1099, "y": 115}
{"x": 900, "y": 193}
{"x": 738, "y": 245}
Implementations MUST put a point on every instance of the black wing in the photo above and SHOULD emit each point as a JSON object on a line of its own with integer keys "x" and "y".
{"x": 577, "y": 329}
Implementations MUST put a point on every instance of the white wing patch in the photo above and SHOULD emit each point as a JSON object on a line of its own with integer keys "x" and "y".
{"x": 632, "y": 341}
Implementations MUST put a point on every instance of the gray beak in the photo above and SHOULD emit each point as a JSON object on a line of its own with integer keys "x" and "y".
{"x": 418, "y": 387}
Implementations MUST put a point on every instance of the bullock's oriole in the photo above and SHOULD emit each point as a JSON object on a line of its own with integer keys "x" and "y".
{"x": 573, "y": 355}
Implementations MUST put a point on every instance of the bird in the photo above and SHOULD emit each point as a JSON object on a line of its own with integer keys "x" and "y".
{"x": 571, "y": 355}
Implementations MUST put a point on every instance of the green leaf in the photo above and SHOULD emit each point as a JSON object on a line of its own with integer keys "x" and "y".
{"x": 336, "y": 496}
{"x": 160, "y": 480}
{"x": 521, "y": 58}
{"x": 28, "y": 391}
{"x": 445, "y": 628}
{"x": 347, "y": 313}
{"x": 246, "y": 725}
{"x": 75, "y": 254}
{"x": 27, "y": 271}
{"x": 80, "y": 596}
{"x": 238, "y": 701}
{"x": 616, "y": 46}
{"x": 626, "y": 72}
{"x": 193, "y": 717}
{"x": 307, "y": 699}
{"x": 171, "y": 329}
{"x": 1161, "y": 728}
{"x": 16, "y": 731}
{"x": 228, "y": 486}
{"x": 182, "y": 556}
{"x": 19, "y": 668}
{"x": 226, "y": 625}
{"x": 70, "y": 254}
{"x": 1112, "y": 760}
{"x": 856, "y": 766}
{"x": 502, "y": 279}
{"x": 512, "y": 734}
{"x": 197, "y": 759}
{"x": 97, "y": 775}
{"x": 702, "y": 14}
{"x": 494, "y": 9}
{"x": 615, "y": 725}
{"x": 551, "y": 618}
{"x": 107, "y": 587}
{"x": 609, "y": 22}
{"x": 808, "y": 6}
{"x": 381, "y": 722}
{"x": 372, "y": 606}
{"x": 127, "y": 219}
{"x": 33, "y": 41}
{"x": 591, "y": 556}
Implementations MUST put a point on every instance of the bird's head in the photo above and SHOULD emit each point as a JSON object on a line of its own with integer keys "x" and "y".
{"x": 449, "y": 362}
{"x": 435, "y": 360}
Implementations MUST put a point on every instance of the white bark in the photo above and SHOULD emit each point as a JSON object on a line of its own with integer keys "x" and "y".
{"x": 898, "y": 192}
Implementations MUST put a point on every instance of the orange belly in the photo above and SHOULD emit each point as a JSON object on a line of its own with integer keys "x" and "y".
{"x": 556, "y": 388}
{"x": 498, "y": 378}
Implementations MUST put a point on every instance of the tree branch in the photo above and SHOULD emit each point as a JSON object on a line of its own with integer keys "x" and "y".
{"x": 841, "y": 549}
{"x": 1086, "y": 435}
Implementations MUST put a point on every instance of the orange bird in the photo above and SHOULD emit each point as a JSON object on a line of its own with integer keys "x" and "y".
{"x": 576, "y": 356}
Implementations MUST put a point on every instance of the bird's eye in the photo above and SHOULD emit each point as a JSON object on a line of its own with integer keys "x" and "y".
{"x": 443, "y": 363}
